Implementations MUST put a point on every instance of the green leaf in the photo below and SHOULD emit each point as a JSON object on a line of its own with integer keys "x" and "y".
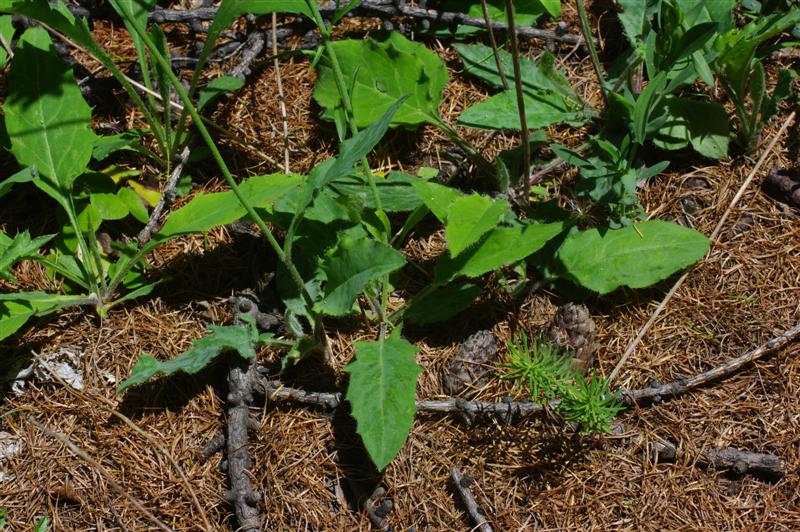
{"x": 18, "y": 307}
{"x": 206, "y": 211}
{"x": 217, "y": 88}
{"x": 705, "y": 125}
{"x": 646, "y": 104}
{"x": 528, "y": 13}
{"x": 105, "y": 145}
{"x": 442, "y": 303}
{"x": 471, "y": 217}
{"x": 501, "y": 247}
{"x": 635, "y": 18}
{"x": 500, "y": 112}
{"x": 109, "y": 206}
{"x": 200, "y": 355}
{"x": 48, "y": 121}
{"x": 23, "y": 176}
{"x": 382, "y": 387}
{"x": 379, "y": 72}
{"x": 437, "y": 198}
{"x": 635, "y": 256}
{"x": 395, "y": 191}
{"x": 350, "y": 267}
{"x": 479, "y": 61}
{"x": 134, "y": 204}
{"x": 137, "y": 10}
{"x": 22, "y": 247}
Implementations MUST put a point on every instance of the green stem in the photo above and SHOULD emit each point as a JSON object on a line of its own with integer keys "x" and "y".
{"x": 201, "y": 128}
{"x": 587, "y": 37}
{"x": 522, "y": 182}
{"x": 493, "y": 42}
{"x": 86, "y": 259}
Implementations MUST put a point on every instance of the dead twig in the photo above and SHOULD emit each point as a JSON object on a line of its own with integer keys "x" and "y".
{"x": 165, "y": 200}
{"x": 80, "y": 453}
{"x": 275, "y": 391}
{"x": 461, "y": 484}
{"x": 658, "y": 392}
{"x": 714, "y": 234}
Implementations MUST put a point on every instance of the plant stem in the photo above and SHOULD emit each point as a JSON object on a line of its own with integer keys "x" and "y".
{"x": 201, "y": 128}
{"x": 587, "y": 38}
{"x": 523, "y": 121}
{"x": 493, "y": 42}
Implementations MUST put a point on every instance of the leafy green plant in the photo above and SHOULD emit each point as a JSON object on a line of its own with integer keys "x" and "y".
{"x": 529, "y": 12}
{"x": 546, "y": 374}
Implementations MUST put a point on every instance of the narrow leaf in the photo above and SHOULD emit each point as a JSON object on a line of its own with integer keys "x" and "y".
{"x": 21, "y": 247}
{"x": 217, "y": 88}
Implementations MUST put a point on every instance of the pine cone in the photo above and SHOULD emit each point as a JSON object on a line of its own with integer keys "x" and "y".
{"x": 471, "y": 366}
{"x": 573, "y": 330}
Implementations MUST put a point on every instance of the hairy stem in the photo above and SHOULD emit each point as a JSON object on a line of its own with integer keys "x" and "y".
{"x": 522, "y": 182}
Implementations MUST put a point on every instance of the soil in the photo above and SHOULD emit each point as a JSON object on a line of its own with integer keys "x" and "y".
{"x": 309, "y": 467}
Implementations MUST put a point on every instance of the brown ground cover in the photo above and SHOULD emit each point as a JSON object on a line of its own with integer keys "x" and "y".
{"x": 534, "y": 474}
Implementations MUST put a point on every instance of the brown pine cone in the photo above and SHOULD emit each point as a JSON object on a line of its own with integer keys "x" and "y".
{"x": 573, "y": 330}
{"x": 471, "y": 366}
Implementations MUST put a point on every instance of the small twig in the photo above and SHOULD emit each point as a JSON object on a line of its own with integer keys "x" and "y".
{"x": 7, "y": 46}
{"x": 281, "y": 96}
{"x": 165, "y": 200}
{"x": 673, "y": 389}
{"x": 646, "y": 327}
{"x": 80, "y": 453}
{"x": 252, "y": 47}
{"x": 461, "y": 484}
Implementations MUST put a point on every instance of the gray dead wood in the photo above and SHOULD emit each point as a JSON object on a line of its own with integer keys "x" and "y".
{"x": 165, "y": 200}
{"x": 368, "y": 8}
{"x": 656, "y": 393}
{"x": 461, "y": 484}
{"x": 240, "y": 396}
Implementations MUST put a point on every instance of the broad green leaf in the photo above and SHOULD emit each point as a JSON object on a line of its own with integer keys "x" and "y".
{"x": 634, "y": 256}
{"x": 635, "y": 18}
{"x": 200, "y": 355}
{"x": 705, "y": 125}
{"x": 479, "y": 61}
{"x": 48, "y": 121}
{"x": 378, "y": 73}
{"x": 107, "y": 144}
{"x": 395, "y": 191}
{"x": 134, "y": 204}
{"x": 501, "y": 112}
{"x": 437, "y": 198}
{"x": 501, "y": 247}
{"x": 109, "y": 206}
{"x": 528, "y": 13}
{"x": 350, "y": 267}
{"x": 7, "y": 31}
{"x": 217, "y": 88}
{"x": 21, "y": 247}
{"x": 382, "y": 388}
{"x": 206, "y": 211}
{"x": 442, "y": 303}
{"x": 471, "y": 217}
